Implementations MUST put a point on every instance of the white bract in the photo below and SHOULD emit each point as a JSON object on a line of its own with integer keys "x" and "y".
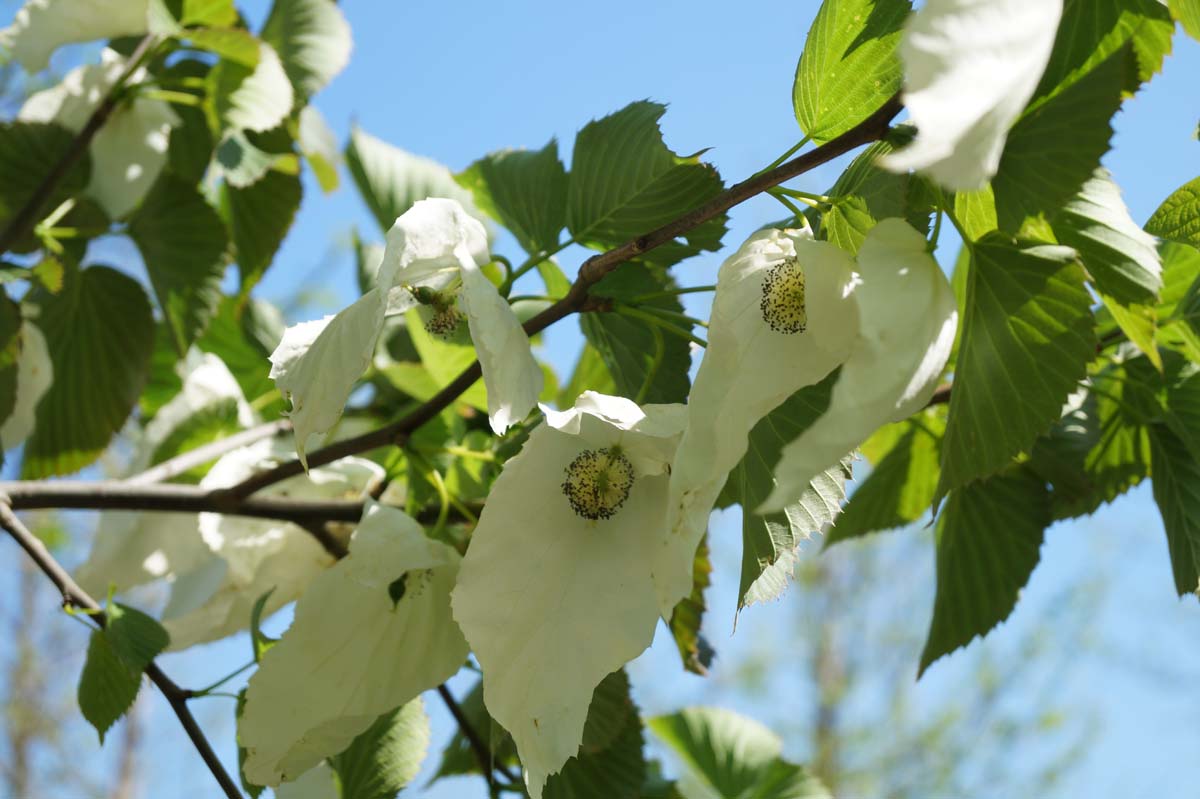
{"x": 557, "y": 589}
{"x": 970, "y": 66}
{"x": 435, "y": 249}
{"x": 42, "y": 26}
{"x": 130, "y": 149}
{"x": 908, "y": 317}
{"x": 253, "y": 556}
{"x": 783, "y": 317}
{"x": 35, "y": 374}
{"x": 369, "y": 635}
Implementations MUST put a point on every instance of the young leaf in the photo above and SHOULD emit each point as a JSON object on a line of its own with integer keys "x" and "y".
{"x": 99, "y": 332}
{"x": 728, "y": 755}
{"x": 1177, "y": 492}
{"x": 849, "y": 66}
{"x": 117, "y": 655}
{"x": 1187, "y": 12}
{"x": 628, "y": 345}
{"x": 182, "y": 240}
{"x": 1042, "y": 166}
{"x": 390, "y": 180}
{"x": 1178, "y": 218}
{"x": 259, "y": 217}
{"x": 1027, "y": 339}
{"x": 524, "y": 191}
{"x": 688, "y": 616}
{"x": 386, "y": 756}
{"x": 246, "y": 98}
{"x": 313, "y": 40}
{"x": 235, "y": 44}
{"x": 625, "y": 181}
{"x": 1179, "y": 308}
{"x": 1120, "y": 257}
{"x": 988, "y": 541}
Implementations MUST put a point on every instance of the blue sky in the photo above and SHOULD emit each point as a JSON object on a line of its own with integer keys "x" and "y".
{"x": 454, "y": 81}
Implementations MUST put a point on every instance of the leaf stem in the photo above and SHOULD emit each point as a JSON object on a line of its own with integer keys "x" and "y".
{"x": 795, "y": 148}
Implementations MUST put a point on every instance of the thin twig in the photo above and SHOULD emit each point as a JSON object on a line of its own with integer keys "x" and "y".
{"x": 182, "y": 463}
{"x": 483, "y": 752}
{"x": 593, "y": 269}
{"x": 24, "y": 220}
{"x": 76, "y": 597}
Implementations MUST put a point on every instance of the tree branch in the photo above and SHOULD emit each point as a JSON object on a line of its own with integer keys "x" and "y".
{"x": 483, "y": 752}
{"x": 593, "y": 269}
{"x": 76, "y": 597}
{"x": 24, "y": 220}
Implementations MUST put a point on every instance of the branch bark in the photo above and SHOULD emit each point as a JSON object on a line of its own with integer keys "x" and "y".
{"x": 76, "y": 597}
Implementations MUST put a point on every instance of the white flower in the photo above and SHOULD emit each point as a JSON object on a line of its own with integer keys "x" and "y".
{"x": 908, "y": 317}
{"x": 557, "y": 588}
{"x": 252, "y": 556}
{"x": 42, "y": 26}
{"x": 129, "y": 150}
{"x": 783, "y": 317}
{"x": 436, "y": 250}
{"x": 970, "y": 66}
{"x": 369, "y": 635}
{"x": 35, "y": 374}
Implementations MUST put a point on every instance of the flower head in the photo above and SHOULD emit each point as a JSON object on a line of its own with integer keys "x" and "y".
{"x": 433, "y": 256}
{"x": 970, "y": 66}
{"x": 130, "y": 149}
{"x": 557, "y": 588}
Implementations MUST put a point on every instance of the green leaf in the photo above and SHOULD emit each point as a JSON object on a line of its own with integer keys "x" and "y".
{"x": 221, "y": 13}
{"x": 1093, "y": 30}
{"x": 235, "y": 44}
{"x": 865, "y": 194}
{"x": 27, "y": 151}
{"x": 988, "y": 540}
{"x": 688, "y": 616}
{"x": 243, "y": 337}
{"x": 390, "y": 180}
{"x": 1027, "y": 339}
{"x": 243, "y": 163}
{"x": 850, "y": 65}
{"x": 976, "y": 211}
{"x": 10, "y": 352}
{"x": 609, "y": 764}
{"x": 182, "y": 240}
{"x": 1187, "y": 12}
{"x": 1178, "y": 218}
{"x": 445, "y": 361}
{"x": 769, "y": 542}
{"x": 117, "y": 656}
{"x": 625, "y": 181}
{"x": 100, "y": 333}
{"x": 387, "y": 756}
{"x": 191, "y": 143}
{"x": 313, "y": 40}
{"x": 1056, "y": 146}
{"x": 1120, "y": 257}
{"x": 524, "y": 191}
{"x": 246, "y": 98}
{"x": 727, "y": 756}
{"x": 1177, "y": 492}
{"x": 320, "y": 147}
{"x": 902, "y": 484}
{"x": 1179, "y": 307}
{"x": 260, "y": 216}
{"x": 629, "y": 347}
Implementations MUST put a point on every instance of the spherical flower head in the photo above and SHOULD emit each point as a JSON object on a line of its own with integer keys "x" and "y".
{"x": 783, "y": 302}
{"x": 557, "y": 588}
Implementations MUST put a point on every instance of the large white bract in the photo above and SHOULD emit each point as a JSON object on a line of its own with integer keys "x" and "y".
{"x": 557, "y": 588}
{"x": 42, "y": 26}
{"x": 970, "y": 66}
{"x": 130, "y": 150}
{"x": 907, "y": 320}
{"x": 35, "y": 374}
{"x": 783, "y": 317}
{"x": 435, "y": 245}
{"x": 369, "y": 635}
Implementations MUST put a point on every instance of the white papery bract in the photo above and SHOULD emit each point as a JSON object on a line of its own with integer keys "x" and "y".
{"x": 359, "y": 646}
{"x": 130, "y": 150}
{"x": 253, "y": 556}
{"x": 556, "y": 590}
{"x": 42, "y": 26}
{"x": 435, "y": 245}
{"x": 783, "y": 318}
{"x": 907, "y": 320}
{"x": 970, "y": 66}
{"x": 35, "y": 374}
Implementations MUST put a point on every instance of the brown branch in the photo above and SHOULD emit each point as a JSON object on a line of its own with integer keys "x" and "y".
{"x": 593, "y": 269}
{"x": 483, "y": 752}
{"x": 24, "y": 220}
{"x": 184, "y": 462}
{"x": 76, "y": 597}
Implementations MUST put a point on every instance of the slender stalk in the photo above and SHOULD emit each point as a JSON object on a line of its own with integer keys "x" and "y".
{"x": 483, "y": 753}
{"x": 76, "y": 597}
